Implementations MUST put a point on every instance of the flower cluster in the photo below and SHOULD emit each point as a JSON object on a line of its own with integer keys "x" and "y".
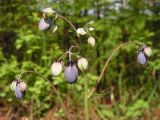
{"x": 19, "y": 87}
{"x": 143, "y": 53}
{"x": 70, "y": 70}
{"x": 86, "y": 30}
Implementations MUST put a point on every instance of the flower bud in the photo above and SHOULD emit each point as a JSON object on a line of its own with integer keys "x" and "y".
{"x": 71, "y": 72}
{"x": 91, "y": 41}
{"x": 44, "y": 24}
{"x": 90, "y": 28}
{"x": 22, "y": 86}
{"x": 82, "y": 64}
{"x": 141, "y": 58}
{"x": 147, "y": 51}
{"x": 48, "y": 12}
{"x": 13, "y": 85}
{"x": 81, "y": 31}
{"x": 56, "y": 68}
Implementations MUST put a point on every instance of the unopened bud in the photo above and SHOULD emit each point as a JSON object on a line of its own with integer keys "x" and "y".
{"x": 82, "y": 64}
{"x": 91, "y": 41}
{"x": 56, "y": 68}
{"x": 48, "y": 12}
{"x": 147, "y": 51}
{"x": 22, "y": 86}
{"x": 81, "y": 31}
{"x": 13, "y": 85}
{"x": 90, "y": 28}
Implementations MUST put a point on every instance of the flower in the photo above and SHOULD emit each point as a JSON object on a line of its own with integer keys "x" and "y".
{"x": 71, "y": 72}
{"x": 141, "y": 58}
{"x": 56, "y": 68}
{"x": 82, "y": 64}
{"x": 19, "y": 87}
{"x": 90, "y": 28}
{"x": 48, "y": 12}
{"x": 147, "y": 51}
{"x": 81, "y": 31}
{"x": 91, "y": 41}
{"x": 44, "y": 24}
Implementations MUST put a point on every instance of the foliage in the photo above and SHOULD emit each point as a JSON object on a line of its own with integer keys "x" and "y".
{"x": 24, "y": 47}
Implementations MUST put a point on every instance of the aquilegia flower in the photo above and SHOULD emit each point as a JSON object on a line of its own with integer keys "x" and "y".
{"x": 81, "y": 31}
{"x": 91, "y": 41}
{"x": 48, "y": 12}
{"x": 56, "y": 68}
{"x": 147, "y": 51}
{"x": 141, "y": 58}
{"x": 45, "y": 24}
{"x": 19, "y": 87}
{"x": 82, "y": 64}
{"x": 71, "y": 72}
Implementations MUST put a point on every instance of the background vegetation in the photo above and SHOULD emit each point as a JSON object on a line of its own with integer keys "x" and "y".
{"x": 132, "y": 91}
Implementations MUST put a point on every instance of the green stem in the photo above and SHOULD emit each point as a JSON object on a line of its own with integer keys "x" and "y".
{"x": 53, "y": 88}
{"x": 44, "y": 53}
{"x": 107, "y": 62}
{"x": 86, "y": 99}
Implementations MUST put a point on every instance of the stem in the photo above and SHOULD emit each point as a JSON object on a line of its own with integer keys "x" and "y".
{"x": 52, "y": 85}
{"x": 106, "y": 64}
{"x": 70, "y": 23}
{"x": 86, "y": 99}
{"x": 44, "y": 53}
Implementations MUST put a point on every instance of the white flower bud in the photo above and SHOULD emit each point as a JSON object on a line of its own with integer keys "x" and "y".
{"x": 48, "y": 12}
{"x": 22, "y": 86}
{"x": 91, "y": 41}
{"x": 56, "y": 68}
{"x": 81, "y": 31}
{"x": 13, "y": 85}
{"x": 82, "y": 64}
{"x": 90, "y": 28}
{"x": 148, "y": 51}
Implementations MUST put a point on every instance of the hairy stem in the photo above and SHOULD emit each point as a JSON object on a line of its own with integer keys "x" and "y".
{"x": 107, "y": 62}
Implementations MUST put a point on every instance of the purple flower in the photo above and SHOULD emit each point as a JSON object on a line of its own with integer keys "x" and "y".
{"x": 19, "y": 87}
{"x": 18, "y": 92}
{"x": 141, "y": 58}
{"x": 44, "y": 24}
{"x": 71, "y": 72}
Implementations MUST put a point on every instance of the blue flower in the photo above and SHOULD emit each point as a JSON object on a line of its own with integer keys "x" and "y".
{"x": 19, "y": 87}
{"x": 71, "y": 72}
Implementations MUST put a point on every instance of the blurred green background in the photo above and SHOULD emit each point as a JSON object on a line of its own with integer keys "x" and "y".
{"x": 132, "y": 91}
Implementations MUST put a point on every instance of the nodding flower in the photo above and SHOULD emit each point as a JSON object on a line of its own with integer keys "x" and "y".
{"x": 141, "y": 58}
{"x": 45, "y": 24}
{"x": 19, "y": 87}
{"x": 71, "y": 72}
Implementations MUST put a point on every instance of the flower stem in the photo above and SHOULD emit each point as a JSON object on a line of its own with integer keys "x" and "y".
{"x": 107, "y": 62}
{"x": 86, "y": 99}
{"x": 53, "y": 88}
{"x": 74, "y": 28}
